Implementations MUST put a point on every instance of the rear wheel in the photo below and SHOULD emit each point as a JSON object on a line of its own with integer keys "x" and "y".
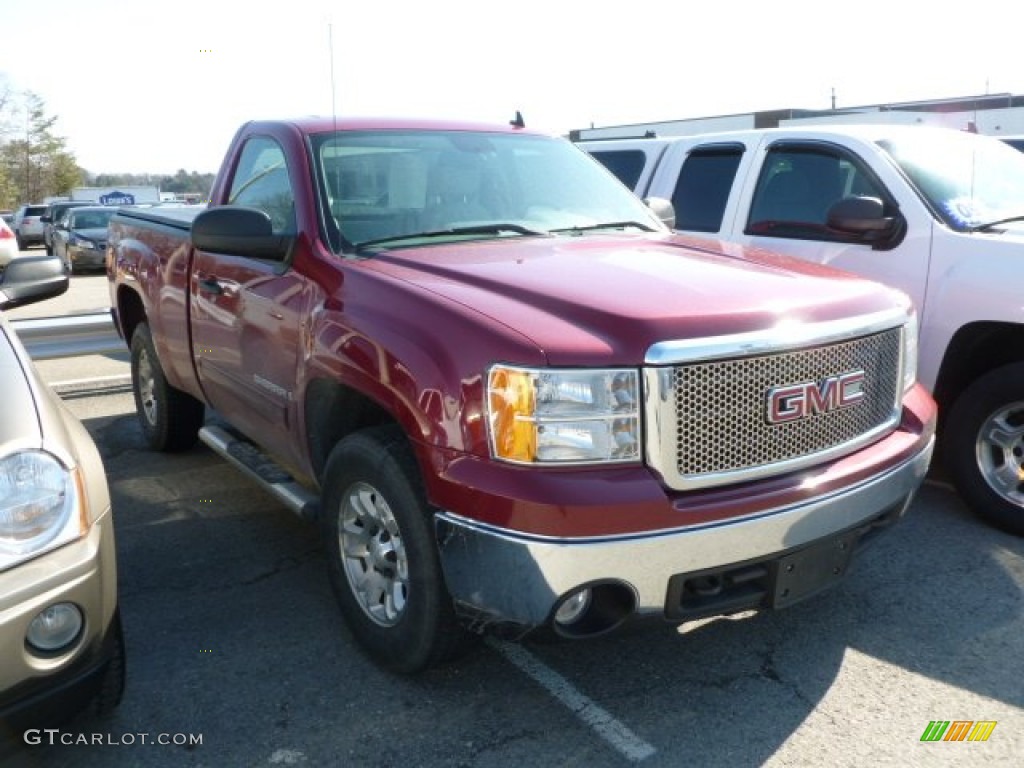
{"x": 383, "y": 562}
{"x": 983, "y": 447}
{"x": 170, "y": 418}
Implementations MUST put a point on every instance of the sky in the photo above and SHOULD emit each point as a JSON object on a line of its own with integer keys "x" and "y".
{"x": 146, "y": 87}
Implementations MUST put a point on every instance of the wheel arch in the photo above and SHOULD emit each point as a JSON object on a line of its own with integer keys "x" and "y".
{"x": 130, "y": 312}
{"x": 334, "y": 410}
{"x": 974, "y": 350}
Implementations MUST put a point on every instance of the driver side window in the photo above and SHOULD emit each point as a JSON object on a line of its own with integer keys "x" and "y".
{"x": 261, "y": 181}
{"x": 797, "y": 187}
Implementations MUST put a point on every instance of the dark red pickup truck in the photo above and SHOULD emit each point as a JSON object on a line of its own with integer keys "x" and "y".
{"x": 510, "y": 396}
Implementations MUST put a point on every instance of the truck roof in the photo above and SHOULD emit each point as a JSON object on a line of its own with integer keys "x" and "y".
{"x": 320, "y": 124}
{"x": 865, "y": 132}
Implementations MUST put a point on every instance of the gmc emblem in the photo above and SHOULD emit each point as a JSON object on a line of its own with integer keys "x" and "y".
{"x": 809, "y": 398}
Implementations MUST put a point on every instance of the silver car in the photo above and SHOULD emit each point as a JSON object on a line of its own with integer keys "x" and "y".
{"x": 28, "y": 225}
{"x": 61, "y": 647}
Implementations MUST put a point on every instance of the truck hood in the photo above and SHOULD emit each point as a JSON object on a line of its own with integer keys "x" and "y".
{"x": 605, "y": 299}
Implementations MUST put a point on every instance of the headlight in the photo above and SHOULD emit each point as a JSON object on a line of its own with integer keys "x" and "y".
{"x": 576, "y": 416}
{"x": 910, "y": 352}
{"x": 81, "y": 242}
{"x": 39, "y": 503}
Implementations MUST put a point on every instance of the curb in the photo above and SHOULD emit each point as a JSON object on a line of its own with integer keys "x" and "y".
{"x": 100, "y": 385}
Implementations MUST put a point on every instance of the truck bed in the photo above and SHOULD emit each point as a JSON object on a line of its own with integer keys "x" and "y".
{"x": 177, "y": 217}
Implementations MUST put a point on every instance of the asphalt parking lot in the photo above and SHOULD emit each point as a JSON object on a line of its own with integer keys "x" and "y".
{"x": 238, "y": 657}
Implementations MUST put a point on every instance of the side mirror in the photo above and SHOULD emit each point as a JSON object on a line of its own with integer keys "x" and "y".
{"x": 663, "y": 209}
{"x": 239, "y": 231}
{"x": 864, "y": 217}
{"x": 29, "y": 279}
{"x": 46, "y": 219}
{"x": 859, "y": 215}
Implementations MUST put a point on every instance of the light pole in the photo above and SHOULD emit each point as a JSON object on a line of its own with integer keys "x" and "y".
{"x": 28, "y": 160}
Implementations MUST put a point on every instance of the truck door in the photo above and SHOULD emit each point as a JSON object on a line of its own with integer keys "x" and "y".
{"x": 787, "y": 212}
{"x": 245, "y": 311}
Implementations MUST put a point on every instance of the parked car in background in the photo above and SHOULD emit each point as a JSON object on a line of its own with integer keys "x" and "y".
{"x": 80, "y": 240}
{"x": 8, "y": 245}
{"x": 28, "y": 225}
{"x": 60, "y": 628}
{"x": 54, "y": 215}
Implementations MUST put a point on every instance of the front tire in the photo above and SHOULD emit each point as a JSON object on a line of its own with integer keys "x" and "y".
{"x": 382, "y": 558}
{"x": 170, "y": 418}
{"x": 983, "y": 447}
{"x": 111, "y": 687}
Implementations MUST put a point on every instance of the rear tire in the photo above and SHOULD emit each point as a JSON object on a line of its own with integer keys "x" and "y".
{"x": 382, "y": 556}
{"x": 170, "y": 419}
{"x": 983, "y": 447}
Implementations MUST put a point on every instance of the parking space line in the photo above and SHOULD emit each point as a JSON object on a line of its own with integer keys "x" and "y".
{"x": 618, "y": 735}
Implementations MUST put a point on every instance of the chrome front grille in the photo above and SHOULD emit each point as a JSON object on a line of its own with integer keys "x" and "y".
{"x": 712, "y": 421}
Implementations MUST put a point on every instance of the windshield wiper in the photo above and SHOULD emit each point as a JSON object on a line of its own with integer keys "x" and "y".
{"x": 475, "y": 229}
{"x": 996, "y": 223}
{"x": 607, "y": 225}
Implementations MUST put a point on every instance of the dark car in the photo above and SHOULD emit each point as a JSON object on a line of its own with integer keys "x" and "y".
{"x": 81, "y": 238}
{"x": 54, "y": 215}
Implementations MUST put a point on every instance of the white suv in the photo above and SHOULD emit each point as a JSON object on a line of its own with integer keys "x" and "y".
{"x": 28, "y": 225}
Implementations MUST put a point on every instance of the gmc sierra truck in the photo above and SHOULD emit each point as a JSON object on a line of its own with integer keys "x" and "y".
{"x": 937, "y": 213}
{"x": 512, "y": 399}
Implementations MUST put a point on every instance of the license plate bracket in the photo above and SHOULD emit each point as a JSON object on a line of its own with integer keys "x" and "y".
{"x": 806, "y": 572}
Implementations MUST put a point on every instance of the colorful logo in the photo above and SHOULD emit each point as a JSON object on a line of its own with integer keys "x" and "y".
{"x": 958, "y": 730}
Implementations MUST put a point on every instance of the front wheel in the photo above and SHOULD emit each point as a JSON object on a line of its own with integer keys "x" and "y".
{"x": 111, "y": 687}
{"x": 983, "y": 447}
{"x": 383, "y": 562}
{"x": 170, "y": 418}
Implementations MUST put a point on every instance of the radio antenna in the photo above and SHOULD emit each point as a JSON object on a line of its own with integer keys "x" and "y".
{"x": 329, "y": 213}
{"x": 330, "y": 45}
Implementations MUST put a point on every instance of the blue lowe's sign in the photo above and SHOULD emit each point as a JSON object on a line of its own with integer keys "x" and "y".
{"x": 117, "y": 198}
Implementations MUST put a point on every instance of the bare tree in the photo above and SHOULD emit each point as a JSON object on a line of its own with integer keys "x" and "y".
{"x": 34, "y": 161}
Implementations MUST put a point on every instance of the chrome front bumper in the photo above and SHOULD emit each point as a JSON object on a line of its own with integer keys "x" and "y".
{"x": 499, "y": 577}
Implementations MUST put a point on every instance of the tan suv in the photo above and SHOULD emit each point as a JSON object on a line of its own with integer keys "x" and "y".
{"x": 61, "y": 647}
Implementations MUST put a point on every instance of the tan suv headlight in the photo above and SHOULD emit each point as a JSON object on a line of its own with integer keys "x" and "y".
{"x": 39, "y": 505}
{"x": 564, "y": 416}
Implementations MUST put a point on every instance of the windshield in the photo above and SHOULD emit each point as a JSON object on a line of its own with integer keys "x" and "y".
{"x": 968, "y": 180}
{"x": 91, "y": 219}
{"x": 393, "y": 186}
